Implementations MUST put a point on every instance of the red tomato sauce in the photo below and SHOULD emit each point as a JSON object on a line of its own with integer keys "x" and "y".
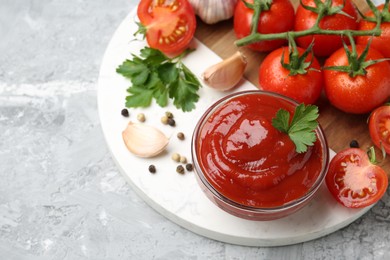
{"x": 250, "y": 162}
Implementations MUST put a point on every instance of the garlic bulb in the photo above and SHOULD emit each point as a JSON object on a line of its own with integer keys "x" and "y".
{"x": 227, "y": 73}
{"x": 213, "y": 11}
{"x": 143, "y": 140}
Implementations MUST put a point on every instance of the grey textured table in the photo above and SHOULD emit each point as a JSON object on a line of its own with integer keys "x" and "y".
{"x": 61, "y": 195}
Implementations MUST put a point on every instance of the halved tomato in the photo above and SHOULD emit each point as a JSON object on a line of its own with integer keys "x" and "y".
{"x": 379, "y": 126}
{"x": 354, "y": 181}
{"x": 170, "y": 24}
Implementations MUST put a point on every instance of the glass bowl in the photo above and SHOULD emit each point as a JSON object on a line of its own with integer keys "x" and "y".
{"x": 245, "y": 167}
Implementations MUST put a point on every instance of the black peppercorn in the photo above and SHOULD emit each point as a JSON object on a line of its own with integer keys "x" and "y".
{"x": 171, "y": 121}
{"x": 189, "y": 167}
{"x": 354, "y": 144}
{"x": 152, "y": 168}
{"x": 125, "y": 112}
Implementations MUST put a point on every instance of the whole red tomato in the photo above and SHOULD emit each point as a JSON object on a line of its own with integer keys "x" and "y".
{"x": 169, "y": 27}
{"x": 274, "y": 77}
{"x": 382, "y": 42}
{"x": 324, "y": 45}
{"x": 279, "y": 18}
{"x": 362, "y": 93}
{"x": 379, "y": 126}
{"x": 353, "y": 180}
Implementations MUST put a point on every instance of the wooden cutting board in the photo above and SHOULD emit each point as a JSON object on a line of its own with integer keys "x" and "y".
{"x": 340, "y": 128}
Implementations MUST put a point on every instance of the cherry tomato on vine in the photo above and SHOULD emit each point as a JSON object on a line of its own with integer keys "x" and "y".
{"x": 382, "y": 42}
{"x": 324, "y": 45}
{"x": 304, "y": 88}
{"x": 279, "y": 18}
{"x": 379, "y": 126}
{"x": 354, "y": 181}
{"x": 170, "y": 26}
{"x": 359, "y": 94}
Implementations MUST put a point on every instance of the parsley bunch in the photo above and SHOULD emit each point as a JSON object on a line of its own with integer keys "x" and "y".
{"x": 302, "y": 126}
{"x": 154, "y": 75}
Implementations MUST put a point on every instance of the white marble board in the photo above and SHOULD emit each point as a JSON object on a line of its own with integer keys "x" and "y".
{"x": 178, "y": 197}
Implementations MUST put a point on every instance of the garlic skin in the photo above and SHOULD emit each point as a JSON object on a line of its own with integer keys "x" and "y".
{"x": 213, "y": 11}
{"x": 227, "y": 73}
{"x": 143, "y": 140}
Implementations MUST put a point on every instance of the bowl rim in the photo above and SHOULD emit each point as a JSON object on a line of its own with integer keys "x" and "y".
{"x": 251, "y": 209}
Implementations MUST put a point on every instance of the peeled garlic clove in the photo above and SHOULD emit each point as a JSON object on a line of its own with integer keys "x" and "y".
{"x": 143, "y": 140}
{"x": 213, "y": 11}
{"x": 227, "y": 73}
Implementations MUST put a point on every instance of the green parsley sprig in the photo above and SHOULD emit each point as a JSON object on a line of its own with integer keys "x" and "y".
{"x": 155, "y": 76}
{"x": 302, "y": 126}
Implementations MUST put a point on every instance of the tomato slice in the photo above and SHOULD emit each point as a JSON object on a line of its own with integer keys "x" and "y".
{"x": 379, "y": 126}
{"x": 354, "y": 181}
{"x": 170, "y": 24}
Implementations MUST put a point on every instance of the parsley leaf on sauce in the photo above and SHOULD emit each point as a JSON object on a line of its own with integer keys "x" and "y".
{"x": 302, "y": 126}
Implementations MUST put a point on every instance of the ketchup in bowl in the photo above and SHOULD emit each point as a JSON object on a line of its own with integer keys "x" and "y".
{"x": 249, "y": 168}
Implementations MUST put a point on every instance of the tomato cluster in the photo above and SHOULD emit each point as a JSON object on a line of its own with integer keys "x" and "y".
{"x": 355, "y": 77}
{"x": 358, "y": 93}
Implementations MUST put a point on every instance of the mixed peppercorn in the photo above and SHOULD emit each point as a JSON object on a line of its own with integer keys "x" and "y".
{"x": 166, "y": 119}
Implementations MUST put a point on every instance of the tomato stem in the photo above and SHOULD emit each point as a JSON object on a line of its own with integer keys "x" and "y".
{"x": 256, "y": 16}
{"x": 352, "y": 55}
{"x": 322, "y": 10}
{"x": 258, "y": 7}
{"x": 256, "y": 37}
{"x": 294, "y": 58}
{"x": 385, "y": 12}
{"x": 297, "y": 63}
{"x": 357, "y": 64}
{"x": 372, "y": 155}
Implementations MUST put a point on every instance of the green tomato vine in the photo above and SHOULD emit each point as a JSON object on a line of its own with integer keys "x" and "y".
{"x": 357, "y": 63}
